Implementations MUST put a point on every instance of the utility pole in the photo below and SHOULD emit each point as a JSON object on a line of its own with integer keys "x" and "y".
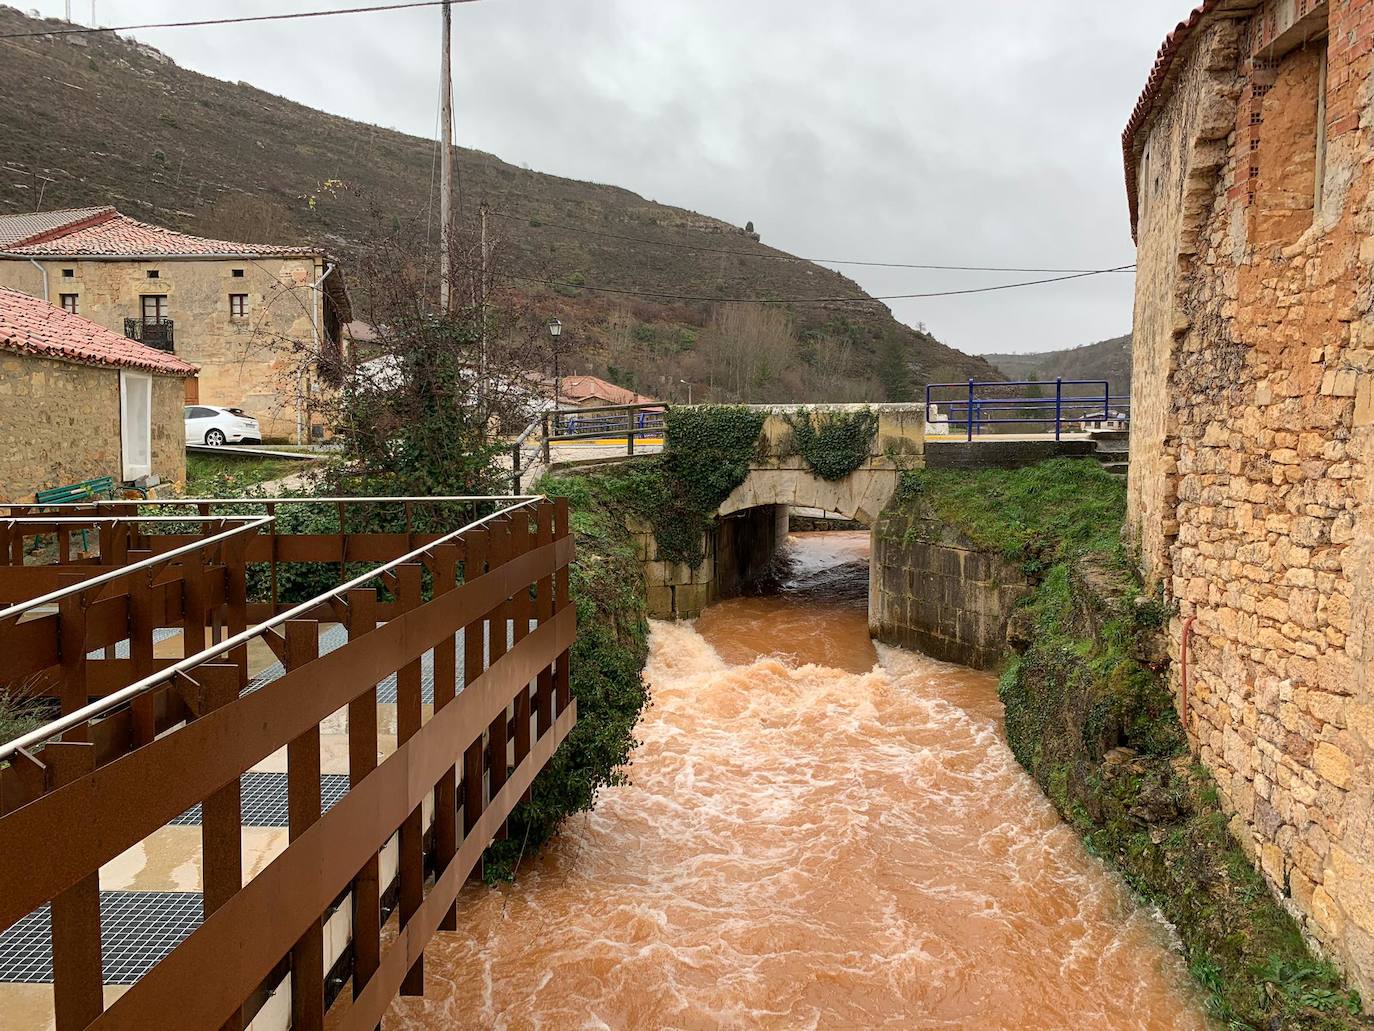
{"x": 446, "y": 165}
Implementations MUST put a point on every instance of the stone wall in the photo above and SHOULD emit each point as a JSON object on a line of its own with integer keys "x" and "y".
{"x": 737, "y": 551}
{"x": 249, "y": 362}
{"x": 779, "y": 476}
{"x": 933, "y": 590}
{"x": 60, "y": 424}
{"x": 1250, "y": 442}
{"x": 988, "y": 452}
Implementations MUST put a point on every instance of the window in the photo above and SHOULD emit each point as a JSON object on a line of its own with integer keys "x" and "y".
{"x": 136, "y": 423}
{"x": 238, "y": 306}
{"x": 68, "y": 302}
{"x": 154, "y": 307}
{"x": 196, "y": 412}
{"x": 153, "y": 274}
{"x": 237, "y": 273}
{"x": 69, "y": 273}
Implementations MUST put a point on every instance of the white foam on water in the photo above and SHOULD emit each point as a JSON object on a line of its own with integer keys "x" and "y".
{"x": 804, "y": 847}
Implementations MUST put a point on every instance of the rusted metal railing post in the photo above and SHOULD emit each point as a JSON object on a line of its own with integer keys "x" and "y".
{"x": 408, "y": 717}
{"x": 77, "y": 982}
{"x": 142, "y": 623}
{"x": 544, "y": 601}
{"x": 476, "y": 546}
{"x": 562, "y": 672}
{"x": 303, "y": 811}
{"x": 71, "y": 619}
{"x": 221, "y": 832}
{"x": 445, "y": 690}
{"x": 522, "y": 608}
{"x": 362, "y": 760}
{"x": 497, "y": 629}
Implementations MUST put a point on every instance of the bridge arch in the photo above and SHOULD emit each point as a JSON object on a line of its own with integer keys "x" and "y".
{"x": 752, "y": 521}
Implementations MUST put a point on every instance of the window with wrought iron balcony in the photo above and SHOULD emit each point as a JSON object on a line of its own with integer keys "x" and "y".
{"x": 152, "y": 327}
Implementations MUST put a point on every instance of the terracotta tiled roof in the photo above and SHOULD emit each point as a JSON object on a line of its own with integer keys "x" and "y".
{"x": 17, "y": 229}
{"x": 122, "y": 236}
{"x": 31, "y": 325}
{"x": 1160, "y": 82}
{"x": 585, "y": 388}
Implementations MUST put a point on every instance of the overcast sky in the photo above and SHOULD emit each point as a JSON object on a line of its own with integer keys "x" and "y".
{"x": 982, "y": 132}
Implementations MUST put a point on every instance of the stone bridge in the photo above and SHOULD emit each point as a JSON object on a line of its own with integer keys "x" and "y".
{"x": 753, "y": 519}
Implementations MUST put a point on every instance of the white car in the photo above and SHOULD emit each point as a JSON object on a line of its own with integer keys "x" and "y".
{"x": 219, "y": 426}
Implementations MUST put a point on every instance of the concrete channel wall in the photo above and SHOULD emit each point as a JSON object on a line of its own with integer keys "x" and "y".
{"x": 933, "y": 590}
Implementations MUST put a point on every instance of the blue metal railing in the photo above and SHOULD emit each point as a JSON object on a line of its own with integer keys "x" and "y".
{"x": 980, "y": 405}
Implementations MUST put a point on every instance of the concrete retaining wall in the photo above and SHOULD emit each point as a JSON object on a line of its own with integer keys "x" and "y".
{"x": 737, "y": 551}
{"x": 934, "y": 591}
{"x": 988, "y": 452}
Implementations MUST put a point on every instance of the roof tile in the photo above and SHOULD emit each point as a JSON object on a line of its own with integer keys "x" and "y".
{"x": 30, "y": 325}
{"x": 122, "y": 236}
{"x": 16, "y": 229}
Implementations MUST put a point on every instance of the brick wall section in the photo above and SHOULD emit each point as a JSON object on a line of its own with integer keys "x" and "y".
{"x": 936, "y": 592}
{"x": 1250, "y": 493}
{"x": 60, "y": 425}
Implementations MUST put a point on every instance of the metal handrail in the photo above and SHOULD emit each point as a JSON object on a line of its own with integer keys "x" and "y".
{"x": 254, "y": 523}
{"x": 972, "y": 407}
{"x": 125, "y": 502}
{"x": 629, "y": 430}
{"x": 127, "y": 694}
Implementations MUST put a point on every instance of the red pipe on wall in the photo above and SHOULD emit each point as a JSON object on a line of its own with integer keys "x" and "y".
{"x": 1183, "y": 686}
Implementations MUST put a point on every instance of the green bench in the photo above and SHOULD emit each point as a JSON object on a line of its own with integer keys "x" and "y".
{"x": 86, "y": 490}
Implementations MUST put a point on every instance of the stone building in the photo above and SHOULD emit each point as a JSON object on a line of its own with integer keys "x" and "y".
{"x": 1248, "y": 170}
{"x": 78, "y": 402}
{"x": 262, "y": 322}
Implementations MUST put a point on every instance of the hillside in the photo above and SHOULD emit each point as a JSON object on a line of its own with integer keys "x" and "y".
{"x": 1106, "y": 359}
{"x": 96, "y": 119}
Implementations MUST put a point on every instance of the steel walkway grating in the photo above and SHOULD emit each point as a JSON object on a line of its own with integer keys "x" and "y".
{"x": 263, "y": 802}
{"x": 122, "y": 647}
{"x": 138, "y": 929}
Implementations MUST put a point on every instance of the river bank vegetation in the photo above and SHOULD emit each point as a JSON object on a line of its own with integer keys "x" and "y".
{"x": 1090, "y": 716}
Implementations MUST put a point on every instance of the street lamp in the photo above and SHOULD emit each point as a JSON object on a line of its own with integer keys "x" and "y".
{"x": 555, "y": 331}
{"x": 689, "y": 391}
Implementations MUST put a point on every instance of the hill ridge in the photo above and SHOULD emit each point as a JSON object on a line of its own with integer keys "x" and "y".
{"x": 112, "y": 120}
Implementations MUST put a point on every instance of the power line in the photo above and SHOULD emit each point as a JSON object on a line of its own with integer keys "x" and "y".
{"x": 792, "y": 257}
{"x": 83, "y": 29}
{"x": 669, "y": 296}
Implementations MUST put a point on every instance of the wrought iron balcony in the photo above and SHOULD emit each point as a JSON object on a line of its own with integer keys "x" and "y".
{"x": 155, "y": 332}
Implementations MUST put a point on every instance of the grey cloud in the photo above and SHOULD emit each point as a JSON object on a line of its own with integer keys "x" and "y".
{"x": 983, "y": 132}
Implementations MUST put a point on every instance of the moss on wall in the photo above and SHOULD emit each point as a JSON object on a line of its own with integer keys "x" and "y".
{"x": 1088, "y": 714}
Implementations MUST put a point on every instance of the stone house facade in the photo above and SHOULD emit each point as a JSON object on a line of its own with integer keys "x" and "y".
{"x": 78, "y": 402}
{"x": 263, "y": 323}
{"x": 1250, "y": 175}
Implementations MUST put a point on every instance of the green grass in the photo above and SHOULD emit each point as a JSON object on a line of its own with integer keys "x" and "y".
{"x": 1040, "y": 514}
{"x": 1081, "y": 688}
{"x": 217, "y": 476}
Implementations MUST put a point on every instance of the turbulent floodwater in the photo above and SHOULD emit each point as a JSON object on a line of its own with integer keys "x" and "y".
{"x": 819, "y": 835}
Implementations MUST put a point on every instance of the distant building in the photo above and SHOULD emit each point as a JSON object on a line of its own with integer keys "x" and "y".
{"x": 78, "y": 402}
{"x": 246, "y": 314}
{"x": 1249, "y": 178}
{"x": 592, "y": 392}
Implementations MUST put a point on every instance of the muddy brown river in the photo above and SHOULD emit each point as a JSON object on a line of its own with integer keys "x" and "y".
{"x": 819, "y": 834}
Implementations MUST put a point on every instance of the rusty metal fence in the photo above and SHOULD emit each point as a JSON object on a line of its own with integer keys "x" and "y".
{"x": 143, "y": 737}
